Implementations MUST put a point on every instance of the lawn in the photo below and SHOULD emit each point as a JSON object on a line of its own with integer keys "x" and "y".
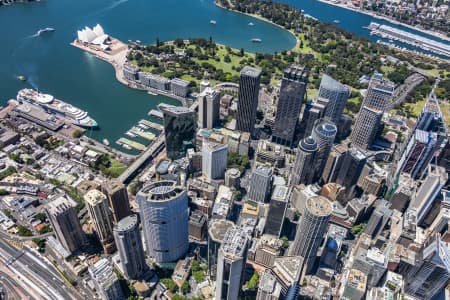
{"x": 445, "y": 108}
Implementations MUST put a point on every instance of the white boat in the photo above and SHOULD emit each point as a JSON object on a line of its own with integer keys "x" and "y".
{"x": 255, "y": 40}
{"x": 130, "y": 134}
{"x": 152, "y": 93}
{"x": 58, "y": 107}
{"x": 44, "y": 30}
{"x": 251, "y": 24}
{"x": 337, "y": 21}
{"x": 105, "y": 142}
{"x": 213, "y": 22}
{"x": 126, "y": 146}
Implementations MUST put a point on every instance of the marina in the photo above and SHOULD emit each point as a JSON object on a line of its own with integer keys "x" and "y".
{"x": 129, "y": 144}
{"x": 152, "y": 125}
{"x": 143, "y": 134}
{"x": 394, "y": 34}
{"x": 156, "y": 114}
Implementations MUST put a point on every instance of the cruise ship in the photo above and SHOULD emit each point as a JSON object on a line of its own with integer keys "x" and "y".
{"x": 55, "y": 106}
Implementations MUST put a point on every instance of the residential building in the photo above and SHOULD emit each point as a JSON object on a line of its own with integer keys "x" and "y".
{"x": 130, "y": 71}
{"x": 106, "y": 282}
{"x": 164, "y": 215}
{"x": 118, "y": 199}
{"x": 248, "y": 99}
{"x": 129, "y": 245}
{"x": 63, "y": 217}
{"x": 97, "y": 206}
{"x": 180, "y": 87}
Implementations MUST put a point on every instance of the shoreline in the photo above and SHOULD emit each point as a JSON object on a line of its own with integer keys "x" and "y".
{"x": 385, "y": 18}
{"x": 297, "y": 41}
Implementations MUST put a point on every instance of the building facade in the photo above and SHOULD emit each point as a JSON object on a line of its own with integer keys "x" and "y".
{"x": 333, "y": 95}
{"x": 290, "y": 100}
{"x": 277, "y": 210}
{"x": 97, "y": 206}
{"x": 118, "y": 199}
{"x": 208, "y": 108}
{"x": 303, "y": 170}
{"x": 260, "y": 183}
{"x": 324, "y": 133}
{"x": 249, "y": 81}
{"x": 164, "y": 215}
{"x": 63, "y": 216}
{"x": 214, "y": 160}
{"x": 180, "y": 128}
{"x": 106, "y": 282}
{"x": 129, "y": 245}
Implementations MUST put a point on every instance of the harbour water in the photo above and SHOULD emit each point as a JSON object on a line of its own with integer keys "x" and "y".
{"x": 53, "y": 66}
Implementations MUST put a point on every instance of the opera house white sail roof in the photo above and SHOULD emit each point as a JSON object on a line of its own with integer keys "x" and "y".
{"x": 94, "y": 36}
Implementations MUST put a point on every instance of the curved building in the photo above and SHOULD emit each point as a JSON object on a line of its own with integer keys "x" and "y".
{"x": 303, "y": 170}
{"x": 313, "y": 226}
{"x": 333, "y": 95}
{"x": 324, "y": 133}
{"x": 129, "y": 244}
{"x": 164, "y": 216}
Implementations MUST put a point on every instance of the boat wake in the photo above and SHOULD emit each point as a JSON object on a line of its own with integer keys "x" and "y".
{"x": 115, "y": 4}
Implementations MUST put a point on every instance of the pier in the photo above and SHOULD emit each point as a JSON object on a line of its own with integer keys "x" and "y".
{"x": 156, "y": 114}
{"x": 132, "y": 144}
{"x": 143, "y": 134}
{"x": 152, "y": 125}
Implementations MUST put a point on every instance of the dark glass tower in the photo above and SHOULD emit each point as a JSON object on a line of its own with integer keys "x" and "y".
{"x": 248, "y": 99}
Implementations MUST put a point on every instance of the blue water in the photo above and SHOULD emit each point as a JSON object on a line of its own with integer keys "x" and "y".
{"x": 53, "y": 66}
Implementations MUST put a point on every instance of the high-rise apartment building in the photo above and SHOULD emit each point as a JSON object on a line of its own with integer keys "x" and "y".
{"x": 292, "y": 94}
{"x": 97, "y": 206}
{"x": 180, "y": 128}
{"x": 208, "y": 108}
{"x": 105, "y": 280}
{"x": 248, "y": 99}
{"x": 214, "y": 160}
{"x": 164, "y": 216}
{"x": 118, "y": 199}
{"x": 369, "y": 117}
{"x": 129, "y": 245}
{"x": 63, "y": 216}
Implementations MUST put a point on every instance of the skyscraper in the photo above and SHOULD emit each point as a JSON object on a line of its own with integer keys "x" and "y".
{"x": 118, "y": 199}
{"x": 260, "y": 184}
{"x": 64, "y": 219}
{"x": 214, "y": 160}
{"x": 180, "y": 128}
{"x": 333, "y": 95}
{"x": 164, "y": 216}
{"x": 352, "y": 165}
{"x": 277, "y": 210}
{"x": 313, "y": 112}
{"x": 303, "y": 170}
{"x": 248, "y": 99}
{"x": 292, "y": 94}
{"x": 324, "y": 133}
{"x": 106, "y": 282}
{"x": 216, "y": 232}
{"x": 129, "y": 244}
{"x": 99, "y": 212}
{"x": 313, "y": 225}
{"x": 432, "y": 272}
{"x": 268, "y": 287}
{"x": 208, "y": 108}
{"x": 369, "y": 117}
{"x": 231, "y": 264}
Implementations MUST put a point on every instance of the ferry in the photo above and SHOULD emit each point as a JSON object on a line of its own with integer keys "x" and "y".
{"x": 213, "y": 22}
{"x": 256, "y": 40}
{"x": 44, "y": 30}
{"x": 58, "y": 107}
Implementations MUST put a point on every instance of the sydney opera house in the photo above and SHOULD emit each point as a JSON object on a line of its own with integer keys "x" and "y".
{"x": 95, "y": 36}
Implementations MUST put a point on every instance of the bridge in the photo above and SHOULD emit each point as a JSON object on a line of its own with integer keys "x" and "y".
{"x": 146, "y": 156}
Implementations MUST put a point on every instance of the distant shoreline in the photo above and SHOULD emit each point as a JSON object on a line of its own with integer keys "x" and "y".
{"x": 381, "y": 17}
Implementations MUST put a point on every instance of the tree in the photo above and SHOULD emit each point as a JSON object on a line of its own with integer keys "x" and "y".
{"x": 285, "y": 241}
{"x": 23, "y": 231}
{"x": 252, "y": 283}
{"x": 77, "y": 134}
{"x": 357, "y": 229}
{"x": 3, "y": 192}
{"x": 41, "y": 216}
{"x": 185, "y": 287}
{"x": 169, "y": 284}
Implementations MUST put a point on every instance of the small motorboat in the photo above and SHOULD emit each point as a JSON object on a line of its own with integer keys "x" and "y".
{"x": 21, "y": 78}
{"x": 256, "y": 40}
{"x": 213, "y": 22}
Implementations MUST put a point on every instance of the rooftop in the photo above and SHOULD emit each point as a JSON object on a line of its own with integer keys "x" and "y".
{"x": 218, "y": 228}
{"x": 126, "y": 223}
{"x": 319, "y": 206}
{"x": 94, "y": 197}
{"x": 234, "y": 243}
{"x": 280, "y": 193}
{"x": 161, "y": 191}
{"x": 60, "y": 205}
{"x": 250, "y": 71}
{"x": 332, "y": 84}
